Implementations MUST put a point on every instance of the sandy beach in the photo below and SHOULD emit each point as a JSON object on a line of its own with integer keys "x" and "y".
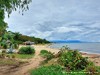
{"x": 92, "y": 57}
{"x": 37, "y": 59}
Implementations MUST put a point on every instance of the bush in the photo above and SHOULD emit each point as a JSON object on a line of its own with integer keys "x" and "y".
{"x": 26, "y": 50}
{"x": 92, "y": 70}
{"x": 73, "y": 60}
{"x": 5, "y": 46}
{"x": 16, "y": 46}
{"x": 3, "y": 51}
{"x": 42, "y": 52}
{"x": 49, "y": 56}
{"x": 46, "y": 54}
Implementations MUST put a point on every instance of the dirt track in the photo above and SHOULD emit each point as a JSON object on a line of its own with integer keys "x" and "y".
{"x": 33, "y": 63}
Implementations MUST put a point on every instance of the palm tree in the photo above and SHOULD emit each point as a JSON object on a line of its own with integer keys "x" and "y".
{"x": 17, "y": 34}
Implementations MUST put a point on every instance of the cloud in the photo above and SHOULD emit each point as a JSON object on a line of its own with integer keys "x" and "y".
{"x": 67, "y": 29}
{"x": 59, "y": 19}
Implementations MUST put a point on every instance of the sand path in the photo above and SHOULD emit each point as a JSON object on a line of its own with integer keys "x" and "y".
{"x": 33, "y": 63}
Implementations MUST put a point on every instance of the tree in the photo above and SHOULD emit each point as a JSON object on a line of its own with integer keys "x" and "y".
{"x": 13, "y": 5}
{"x": 17, "y": 34}
{"x": 3, "y": 25}
{"x": 9, "y": 6}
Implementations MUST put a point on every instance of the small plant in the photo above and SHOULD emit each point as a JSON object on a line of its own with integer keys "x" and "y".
{"x": 42, "y": 52}
{"x": 13, "y": 56}
{"x": 3, "y": 55}
{"x": 47, "y": 55}
{"x": 26, "y": 50}
{"x": 65, "y": 48}
{"x": 3, "y": 51}
{"x": 16, "y": 46}
{"x": 8, "y": 56}
{"x": 91, "y": 70}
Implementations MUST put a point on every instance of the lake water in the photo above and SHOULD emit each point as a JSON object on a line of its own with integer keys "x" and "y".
{"x": 82, "y": 47}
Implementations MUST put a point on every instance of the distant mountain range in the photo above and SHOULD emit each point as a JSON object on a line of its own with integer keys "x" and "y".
{"x": 67, "y": 41}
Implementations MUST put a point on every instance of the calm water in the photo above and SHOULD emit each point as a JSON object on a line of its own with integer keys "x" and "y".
{"x": 83, "y": 47}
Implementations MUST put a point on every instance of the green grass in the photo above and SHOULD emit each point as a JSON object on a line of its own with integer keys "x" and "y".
{"x": 22, "y": 56}
{"x": 48, "y": 70}
{"x": 53, "y": 70}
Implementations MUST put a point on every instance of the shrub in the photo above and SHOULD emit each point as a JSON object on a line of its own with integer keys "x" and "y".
{"x": 73, "y": 60}
{"x": 13, "y": 56}
{"x": 47, "y": 55}
{"x": 91, "y": 70}
{"x": 16, "y": 46}
{"x": 26, "y": 50}
{"x": 5, "y": 46}
{"x": 42, "y": 52}
{"x": 3, "y": 51}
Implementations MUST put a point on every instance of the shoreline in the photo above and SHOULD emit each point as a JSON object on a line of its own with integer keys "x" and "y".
{"x": 74, "y": 49}
{"x": 94, "y": 57}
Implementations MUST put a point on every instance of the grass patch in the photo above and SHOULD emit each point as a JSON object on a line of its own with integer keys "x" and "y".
{"x": 53, "y": 70}
{"x": 22, "y": 56}
{"x": 7, "y": 62}
{"x": 48, "y": 70}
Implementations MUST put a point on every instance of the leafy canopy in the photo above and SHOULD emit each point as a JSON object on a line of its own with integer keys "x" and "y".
{"x": 13, "y": 5}
{"x": 9, "y": 6}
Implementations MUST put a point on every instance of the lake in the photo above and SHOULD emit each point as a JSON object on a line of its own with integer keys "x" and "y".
{"x": 82, "y": 47}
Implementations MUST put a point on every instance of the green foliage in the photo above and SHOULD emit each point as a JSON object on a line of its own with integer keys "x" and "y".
{"x": 43, "y": 52}
{"x": 48, "y": 70}
{"x": 40, "y": 41}
{"x": 26, "y": 50}
{"x": 92, "y": 70}
{"x": 21, "y": 56}
{"x": 13, "y": 5}
{"x": 53, "y": 70}
{"x": 19, "y": 38}
{"x": 24, "y": 56}
{"x": 65, "y": 48}
{"x": 73, "y": 60}
{"x": 47, "y": 55}
{"x": 5, "y": 46}
{"x": 3, "y": 25}
{"x": 9, "y": 6}
{"x": 16, "y": 46}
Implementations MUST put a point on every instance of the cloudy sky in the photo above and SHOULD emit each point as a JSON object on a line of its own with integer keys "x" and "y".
{"x": 59, "y": 20}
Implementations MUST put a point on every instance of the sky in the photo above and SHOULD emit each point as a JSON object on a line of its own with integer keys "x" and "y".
{"x": 59, "y": 20}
